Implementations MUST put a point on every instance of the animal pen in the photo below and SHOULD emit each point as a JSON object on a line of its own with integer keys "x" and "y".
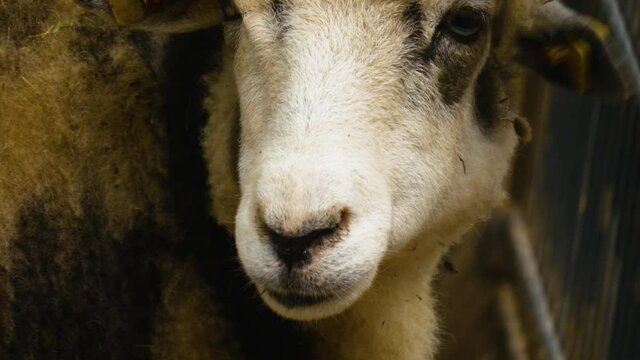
{"x": 571, "y": 236}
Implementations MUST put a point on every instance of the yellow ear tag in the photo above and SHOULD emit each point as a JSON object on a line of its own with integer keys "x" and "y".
{"x": 127, "y": 11}
{"x": 575, "y": 57}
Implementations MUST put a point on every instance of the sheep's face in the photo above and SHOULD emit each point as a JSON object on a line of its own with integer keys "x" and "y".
{"x": 364, "y": 126}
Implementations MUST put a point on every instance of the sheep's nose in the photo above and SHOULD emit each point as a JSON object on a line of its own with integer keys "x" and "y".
{"x": 296, "y": 246}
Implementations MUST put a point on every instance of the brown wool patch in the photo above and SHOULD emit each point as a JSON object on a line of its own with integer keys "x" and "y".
{"x": 84, "y": 208}
{"x": 21, "y": 20}
{"x": 76, "y": 289}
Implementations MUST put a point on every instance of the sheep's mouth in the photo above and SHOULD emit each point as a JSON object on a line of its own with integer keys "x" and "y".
{"x": 295, "y": 300}
{"x": 314, "y": 300}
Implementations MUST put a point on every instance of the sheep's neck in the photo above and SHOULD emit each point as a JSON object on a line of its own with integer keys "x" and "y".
{"x": 395, "y": 318}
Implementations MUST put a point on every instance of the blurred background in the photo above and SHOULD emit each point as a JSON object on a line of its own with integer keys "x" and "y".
{"x": 557, "y": 274}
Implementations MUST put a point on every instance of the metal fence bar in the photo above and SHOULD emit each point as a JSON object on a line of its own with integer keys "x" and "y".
{"x": 618, "y": 25}
{"x": 528, "y": 268}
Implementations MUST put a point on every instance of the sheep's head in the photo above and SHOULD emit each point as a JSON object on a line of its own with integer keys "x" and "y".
{"x": 368, "y": 126}
{"x": 364, "y": 127}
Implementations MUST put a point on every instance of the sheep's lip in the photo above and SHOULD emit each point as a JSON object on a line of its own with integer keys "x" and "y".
{"x": 296, "y": 300}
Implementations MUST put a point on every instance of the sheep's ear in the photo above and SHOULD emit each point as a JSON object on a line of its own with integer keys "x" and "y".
{"x": 575, "y": 51}
{"x": 163, "y": 15}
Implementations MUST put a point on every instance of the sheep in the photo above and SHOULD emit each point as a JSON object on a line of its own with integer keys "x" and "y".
{"x": 420, "y": 180}
{"x": 90, "y": 221}
{"x": 81, "y": 186}
{"x": 372, "y": 136}
{"x": 383, "y": 307}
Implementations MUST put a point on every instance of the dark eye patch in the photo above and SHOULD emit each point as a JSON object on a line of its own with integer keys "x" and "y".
{"x": 456, "y": 47}
{"x": 457, "y": 63}
{"x": 465, "y": 25}
{"x": 487, "y": 99}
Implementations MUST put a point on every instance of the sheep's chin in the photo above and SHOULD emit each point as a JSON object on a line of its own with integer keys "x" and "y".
{"x": 309, "y": 307}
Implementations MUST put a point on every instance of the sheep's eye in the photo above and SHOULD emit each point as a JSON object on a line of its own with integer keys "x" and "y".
{"x": 465, "y": 24}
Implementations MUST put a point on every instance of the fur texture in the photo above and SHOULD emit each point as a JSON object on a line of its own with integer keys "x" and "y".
{"x": 81, "y": 198}
{"x": 92, "y": 249}
{"x": 364, "y": 115}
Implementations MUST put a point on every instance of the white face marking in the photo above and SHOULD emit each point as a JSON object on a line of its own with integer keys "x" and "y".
{"x": 342, "y": 131}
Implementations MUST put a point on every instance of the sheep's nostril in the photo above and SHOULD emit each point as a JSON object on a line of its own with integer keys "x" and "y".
{"x": 296, "y": 249}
